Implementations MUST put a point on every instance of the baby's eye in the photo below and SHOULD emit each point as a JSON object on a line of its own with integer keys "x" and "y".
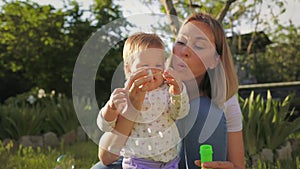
{"x": 145, "y": 65}
{"x": 158, "y": 65}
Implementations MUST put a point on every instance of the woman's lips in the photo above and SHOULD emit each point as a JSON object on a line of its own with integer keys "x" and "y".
{"x": 181, "y": 66}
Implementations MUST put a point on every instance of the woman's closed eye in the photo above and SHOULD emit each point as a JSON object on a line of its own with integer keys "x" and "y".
{"x": 200, "y": 45}
{"x": 181, "y": 40}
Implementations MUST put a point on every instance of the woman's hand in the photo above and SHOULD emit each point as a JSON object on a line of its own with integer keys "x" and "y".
{"x": 215, "y": 164}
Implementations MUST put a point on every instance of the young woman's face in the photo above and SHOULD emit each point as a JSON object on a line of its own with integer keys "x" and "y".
{"x": 152, "y": 58}
{"x": 194, "y": 50}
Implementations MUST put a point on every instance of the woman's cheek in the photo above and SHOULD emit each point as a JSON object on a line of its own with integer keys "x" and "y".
{"x": 197, "y": 67}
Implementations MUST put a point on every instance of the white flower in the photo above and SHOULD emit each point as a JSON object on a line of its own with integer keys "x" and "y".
{"x": 31, "y": 99}
{"x": 41, "y": 93}
{"x": 52, "y": 93}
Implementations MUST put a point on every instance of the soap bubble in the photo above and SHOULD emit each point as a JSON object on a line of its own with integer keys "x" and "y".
{"x": 65, "y": 162}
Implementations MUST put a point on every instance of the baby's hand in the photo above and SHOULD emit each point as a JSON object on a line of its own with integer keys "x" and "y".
{"x": 174, "y": 81}
{"x": 118, "y": 99}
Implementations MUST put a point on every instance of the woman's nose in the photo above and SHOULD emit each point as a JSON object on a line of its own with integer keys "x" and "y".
{"x": 185, "y": 51}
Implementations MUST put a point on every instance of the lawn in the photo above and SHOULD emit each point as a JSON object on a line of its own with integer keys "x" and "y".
{"x": 80, "y": 155}
{"x": 83, "y": 155}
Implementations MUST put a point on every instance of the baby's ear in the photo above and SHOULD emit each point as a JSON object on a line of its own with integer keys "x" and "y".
{"x": 127, "y": 69}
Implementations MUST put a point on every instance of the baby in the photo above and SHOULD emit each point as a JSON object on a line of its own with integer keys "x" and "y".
{"x": 154, "y": 137}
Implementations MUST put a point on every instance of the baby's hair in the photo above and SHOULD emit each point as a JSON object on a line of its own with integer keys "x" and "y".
{"x": 137, "y": 43}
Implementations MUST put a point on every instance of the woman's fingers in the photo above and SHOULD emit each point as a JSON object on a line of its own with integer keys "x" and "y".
{"x": 215, "y": 164}
{"x": 197, "y": 163}
{"x": 218, "y": 165}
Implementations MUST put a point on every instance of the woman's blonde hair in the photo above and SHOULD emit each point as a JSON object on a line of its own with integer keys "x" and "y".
{"x": 226, "y": 69}
{"x": 137, "y": 43}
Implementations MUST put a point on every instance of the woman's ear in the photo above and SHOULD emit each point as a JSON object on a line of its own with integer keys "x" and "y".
{"x": 215, "y": 62}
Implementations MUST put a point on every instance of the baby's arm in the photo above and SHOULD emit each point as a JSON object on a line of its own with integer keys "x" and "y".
{"x": 179, "y": 105}
{"x": 108, "y": 114}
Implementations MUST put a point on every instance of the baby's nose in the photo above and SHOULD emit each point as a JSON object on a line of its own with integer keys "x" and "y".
{"x": 155, "y": 70}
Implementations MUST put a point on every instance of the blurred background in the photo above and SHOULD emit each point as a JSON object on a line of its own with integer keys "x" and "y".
{"x": 40, "y": 41}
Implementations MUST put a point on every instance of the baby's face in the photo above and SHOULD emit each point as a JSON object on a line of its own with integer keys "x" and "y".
{"x": 152, "y": 59}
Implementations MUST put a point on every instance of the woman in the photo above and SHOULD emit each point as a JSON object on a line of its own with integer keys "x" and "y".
{"x": 201, "y": 48}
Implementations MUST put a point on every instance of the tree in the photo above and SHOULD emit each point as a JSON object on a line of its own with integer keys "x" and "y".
{"x": 30, "y": 38}
{"x": 282, "y": 57}
{"x": 40, "y": 44}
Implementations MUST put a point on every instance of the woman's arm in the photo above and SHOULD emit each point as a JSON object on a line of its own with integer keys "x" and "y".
{"x": 235, "y": 153}
{"x": 235, "y": 145}
{"x": 111, "y": 143}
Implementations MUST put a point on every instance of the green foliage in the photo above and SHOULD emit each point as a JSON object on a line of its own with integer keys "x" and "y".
{"x": 278, "y": 164}
{"x": 22, "y": 116}
{"x": 266, "y": 123}
{"x": 42, "y": 50}
{"x": 27, "y": 47}
{"x": 20, "y": 121}
{"x": 283, "y": 56}
{"x": 278, "y": 63}
{"x": 48, "y": 158}
{"x": 61, "y": 117}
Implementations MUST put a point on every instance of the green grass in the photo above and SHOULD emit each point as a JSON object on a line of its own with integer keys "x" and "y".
{"x": 81, "y": 154}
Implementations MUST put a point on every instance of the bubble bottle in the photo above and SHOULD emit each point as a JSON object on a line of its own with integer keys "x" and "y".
{"x": 206, "y": 152}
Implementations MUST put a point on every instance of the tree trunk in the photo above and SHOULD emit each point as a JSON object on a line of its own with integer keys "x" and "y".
{"x": 171, "y": 11}
{"x": 225, "y": 9}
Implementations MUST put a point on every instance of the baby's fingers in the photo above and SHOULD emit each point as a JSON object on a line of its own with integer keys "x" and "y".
{"x": 140, "y": 84}
{"x": 135, "y": 76}
{"x": 120, "y": 104}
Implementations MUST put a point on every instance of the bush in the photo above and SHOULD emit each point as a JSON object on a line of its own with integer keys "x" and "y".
{"x": 266, "y": 124}
{"x": 26, "y": 114}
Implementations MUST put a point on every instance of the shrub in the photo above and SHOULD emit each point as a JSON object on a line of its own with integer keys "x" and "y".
{"x": 26, "y": 114}
{"x": 266, "y": 123}
{"x": 19, "y": 118}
